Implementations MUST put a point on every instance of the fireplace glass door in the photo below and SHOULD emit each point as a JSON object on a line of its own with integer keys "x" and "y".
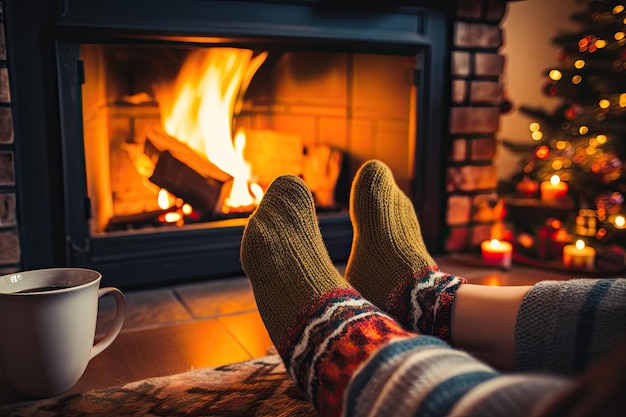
{"x": 180, "y": 135}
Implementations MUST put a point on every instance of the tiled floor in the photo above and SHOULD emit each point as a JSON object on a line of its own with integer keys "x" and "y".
{"x": 205, "y": 324}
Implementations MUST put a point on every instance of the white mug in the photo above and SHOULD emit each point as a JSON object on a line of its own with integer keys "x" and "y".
{"x": 47, "y": 327}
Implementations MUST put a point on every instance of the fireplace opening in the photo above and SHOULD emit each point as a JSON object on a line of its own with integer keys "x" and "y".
{"x": 180, "y": 135}
{"x": 279, "y": 89}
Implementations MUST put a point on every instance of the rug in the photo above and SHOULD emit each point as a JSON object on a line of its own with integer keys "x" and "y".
{"x": 257, "y": 387}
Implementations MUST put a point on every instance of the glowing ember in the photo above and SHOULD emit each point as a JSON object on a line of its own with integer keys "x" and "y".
{"x": 198, "y": 110}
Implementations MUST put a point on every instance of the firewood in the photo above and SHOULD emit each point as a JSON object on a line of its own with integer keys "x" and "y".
{"x": 158, "y": 141}
{"x": 203, "y": 193}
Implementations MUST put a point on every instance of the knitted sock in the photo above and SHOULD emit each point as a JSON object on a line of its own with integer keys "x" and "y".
{"x": 564, "y": 326}
{"x": 344, "y": 353}
{"x": 389, "y": 263}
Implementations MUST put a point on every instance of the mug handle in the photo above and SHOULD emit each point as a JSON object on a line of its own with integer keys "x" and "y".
{"x": 114, "y": 330}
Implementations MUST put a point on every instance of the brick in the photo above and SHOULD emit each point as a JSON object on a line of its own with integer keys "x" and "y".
{"x": 474, "y": 120}
{"x": 7, "y": 169}
{"x": 477, "y": 35}
{"x": 8, "y": 209}
{"x": 496, "y": 10}
{"x": 486, "y": 65}
{"x": 480, "y": 233}
{"x": 6, "y": 125}
{"x": 9, "y": 246}
{"x": 469, "y": 9}
{"x": 471, "y": 178}
{"x": 458, "y": 152}
{"x": 483, "y": 149}
{"x": 459, "y": 208}
{"x": 459, "y": 91}
{"x": 485, "y": 92}
{"x": 460, "y": 63}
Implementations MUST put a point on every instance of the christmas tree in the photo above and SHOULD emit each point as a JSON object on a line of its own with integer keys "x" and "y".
{"x": 582, "y": 143}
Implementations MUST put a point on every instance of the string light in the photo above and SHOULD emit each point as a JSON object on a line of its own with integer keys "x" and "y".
{"x": 619, "y": 36}
{"x": 604, "y": 104}
{"x": 534, "y": 127}
{"x": 601, "y": 139}
{"x": 537, "y": 136}
{"x": 576, "y": 79}
{"x": 618, "y": 9}
{"x": 555, "y": 75}
{"x": 622, "y": 100}
{"x": 583, "y": 130}
{"x": 579, "y": 63}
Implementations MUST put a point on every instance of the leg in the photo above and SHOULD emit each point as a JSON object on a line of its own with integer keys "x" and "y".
{"x": 483, "y": 322}
{"x": 389, "y": 263}
{"x": 348, "y": 356}
{"x": 559, "y": 326}
{"x": 566, "y": 325}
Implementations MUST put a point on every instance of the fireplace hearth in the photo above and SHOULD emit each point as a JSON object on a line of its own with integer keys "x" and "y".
{"x": 66, "y": 212}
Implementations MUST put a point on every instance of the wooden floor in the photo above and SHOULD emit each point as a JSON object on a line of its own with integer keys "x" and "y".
{"x": 180, "y": 328}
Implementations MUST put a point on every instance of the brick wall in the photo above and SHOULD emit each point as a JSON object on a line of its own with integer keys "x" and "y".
{"x": 9, "y": 236}
{"x": 476, "y": 67}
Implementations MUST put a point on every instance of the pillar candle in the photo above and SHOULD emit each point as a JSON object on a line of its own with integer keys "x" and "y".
{"x": 553, "y": 189}
{"x": 497, "y": 253}
{"x": 579, "y": 256}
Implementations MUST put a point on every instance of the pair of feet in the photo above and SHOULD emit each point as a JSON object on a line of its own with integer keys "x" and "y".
{"x": 284, "y": 256}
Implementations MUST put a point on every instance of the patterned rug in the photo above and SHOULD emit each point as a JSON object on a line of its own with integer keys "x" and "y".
{"x": 258, "y": 387}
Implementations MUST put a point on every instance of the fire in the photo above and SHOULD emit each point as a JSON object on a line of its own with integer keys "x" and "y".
{"x": 198, "y": 110}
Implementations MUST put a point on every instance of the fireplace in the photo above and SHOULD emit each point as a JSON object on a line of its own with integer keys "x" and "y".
{"x": 343, "y": 81}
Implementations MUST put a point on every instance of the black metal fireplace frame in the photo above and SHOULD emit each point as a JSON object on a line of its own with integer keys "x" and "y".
{"x": 53, "y": 203}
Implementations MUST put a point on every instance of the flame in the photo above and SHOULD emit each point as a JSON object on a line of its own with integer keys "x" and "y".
{"x": 164, "y": 199}
{"x": 198, "y": 110}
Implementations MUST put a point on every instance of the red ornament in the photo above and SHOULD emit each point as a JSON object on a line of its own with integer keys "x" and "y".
{"x": 526, "y": 186}
{"x": 542, "y": 152}
{"x": 573, "y": 111}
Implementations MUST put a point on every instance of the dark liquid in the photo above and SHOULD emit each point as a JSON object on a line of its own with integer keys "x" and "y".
{"x": 42, "y": 289}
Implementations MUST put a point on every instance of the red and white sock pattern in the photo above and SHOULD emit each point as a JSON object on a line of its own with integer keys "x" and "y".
{"x": 351, "y": 359}
{"x": 423, "y": 303}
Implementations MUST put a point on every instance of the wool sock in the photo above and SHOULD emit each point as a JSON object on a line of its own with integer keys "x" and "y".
{"x": 389, "y": 263}
{"x": 349, "y": 357}
{"x": 564, "y": 326}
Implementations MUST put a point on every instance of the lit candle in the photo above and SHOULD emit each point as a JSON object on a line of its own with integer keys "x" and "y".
{"x": 497, "y": 253}
{"x": 618, "y": 221}
{"x": 553, "y": 189}
{"x": 579, "y": 256}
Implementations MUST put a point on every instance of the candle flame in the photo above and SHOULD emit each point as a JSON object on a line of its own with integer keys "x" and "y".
{"x": 580, "y": 245}
{"x": 620, "y": 221}
{"x": 555, "y": 180}
{"x": 495, "y": 243}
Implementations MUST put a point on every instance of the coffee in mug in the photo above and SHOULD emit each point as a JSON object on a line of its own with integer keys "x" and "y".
{"x": 47, "y": 327}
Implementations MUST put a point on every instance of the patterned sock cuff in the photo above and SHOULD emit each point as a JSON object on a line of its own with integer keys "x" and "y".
{"x": 423, "y": 303}
{"x": 330, "y": 340}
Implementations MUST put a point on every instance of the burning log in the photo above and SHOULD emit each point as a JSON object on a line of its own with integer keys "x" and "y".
{"x": 185, "y": 173}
